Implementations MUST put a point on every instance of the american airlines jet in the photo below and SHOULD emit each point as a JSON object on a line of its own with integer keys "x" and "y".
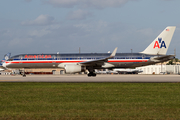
{"x": 74, "y": 63}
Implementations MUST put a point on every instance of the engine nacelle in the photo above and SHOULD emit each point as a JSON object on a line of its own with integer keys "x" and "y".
{"x": 71, "y": 68}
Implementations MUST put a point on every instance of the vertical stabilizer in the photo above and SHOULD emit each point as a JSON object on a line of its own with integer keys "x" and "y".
{"x": 161, "y": 43}
{"x": 6, "y": 57}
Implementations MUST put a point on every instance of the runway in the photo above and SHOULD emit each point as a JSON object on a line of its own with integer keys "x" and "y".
{"x": 98, "y": 78}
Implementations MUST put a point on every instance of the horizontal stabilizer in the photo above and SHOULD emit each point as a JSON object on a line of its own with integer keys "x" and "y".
{"x": 165, "y": 57}
{"x": 162, "y": 58}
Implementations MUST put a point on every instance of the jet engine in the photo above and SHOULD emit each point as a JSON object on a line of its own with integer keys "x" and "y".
{"x": 72, "y": 68}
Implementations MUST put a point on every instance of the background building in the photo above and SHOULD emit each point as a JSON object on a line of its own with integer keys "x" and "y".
{"x": 158, "y": 69}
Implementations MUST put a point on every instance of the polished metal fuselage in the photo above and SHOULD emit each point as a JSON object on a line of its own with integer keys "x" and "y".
{"x": 121, "y": 60}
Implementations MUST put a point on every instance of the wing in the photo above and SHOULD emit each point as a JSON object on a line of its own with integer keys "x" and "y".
{"x": 99, "y": 62}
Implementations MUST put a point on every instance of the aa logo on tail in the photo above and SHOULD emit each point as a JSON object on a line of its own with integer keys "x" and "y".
{"x": 159, "y": 43}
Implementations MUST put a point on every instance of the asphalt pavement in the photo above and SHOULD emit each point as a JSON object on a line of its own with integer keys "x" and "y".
{"x": 98, "y": 78}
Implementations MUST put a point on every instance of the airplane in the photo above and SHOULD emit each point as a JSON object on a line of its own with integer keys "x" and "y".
{"x": 100, "y": 72}
{"x": 112, "y": 72}
{"x": 128, "y": 71}
{"x": 79, "y": 62}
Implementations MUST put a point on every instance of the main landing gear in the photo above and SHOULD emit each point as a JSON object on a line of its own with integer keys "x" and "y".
{"x": 92, "y": 74}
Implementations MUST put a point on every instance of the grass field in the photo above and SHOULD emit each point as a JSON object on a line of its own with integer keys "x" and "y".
{"x": 90, "y": 101}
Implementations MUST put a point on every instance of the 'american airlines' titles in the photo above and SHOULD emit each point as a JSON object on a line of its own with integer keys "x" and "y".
{"x": 158, "y": 43}
{"x": 37, "y": 56}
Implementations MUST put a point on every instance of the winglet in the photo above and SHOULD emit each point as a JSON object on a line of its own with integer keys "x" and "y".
{"x": 113, "y": 53}
{"x": 100, "y": 61}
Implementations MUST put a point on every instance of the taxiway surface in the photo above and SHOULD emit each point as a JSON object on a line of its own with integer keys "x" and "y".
{"x": 98, "y": 78}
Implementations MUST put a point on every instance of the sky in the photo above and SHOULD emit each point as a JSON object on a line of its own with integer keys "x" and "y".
{"x": 94, "y": 26}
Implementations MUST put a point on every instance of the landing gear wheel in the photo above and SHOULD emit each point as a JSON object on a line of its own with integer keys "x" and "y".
{"x": 91, "y": 74}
